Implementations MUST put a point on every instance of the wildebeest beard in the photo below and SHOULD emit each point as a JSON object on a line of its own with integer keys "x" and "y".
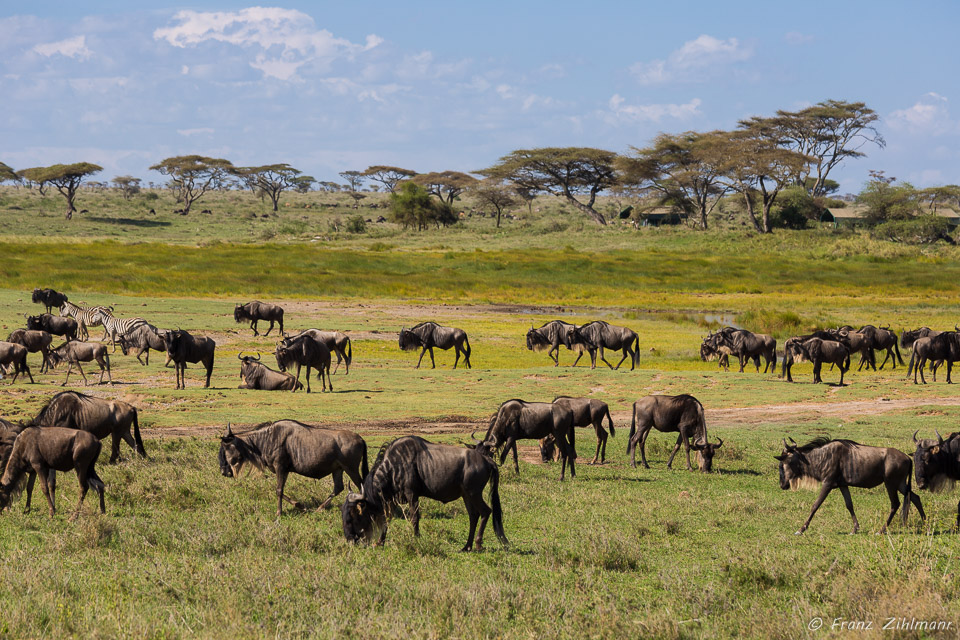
{"x": 249, "y": 454}
{"x": 410, "y": 341}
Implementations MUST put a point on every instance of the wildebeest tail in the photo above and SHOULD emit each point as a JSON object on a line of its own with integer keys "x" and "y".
{"x": 349, "y": 352}
{"x": 633, "y": 426}
{"x": 610, "y": 422}
{"x": 364, "y": 469}
{"x": 636, "y": 353}
{"x": 846, "y": 362}
{"x": 466, "y": 345}
{"x": 906, "y": 495}
{"x": 702, "y": 427}
{"x": 136, "y": 434}
{"x": 495, "y": 505}
{"x": 913, "y": 358}
{"x": 896, "y": 350}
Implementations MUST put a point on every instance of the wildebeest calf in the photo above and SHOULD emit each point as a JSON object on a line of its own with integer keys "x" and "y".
{"x": 73, "y": 353}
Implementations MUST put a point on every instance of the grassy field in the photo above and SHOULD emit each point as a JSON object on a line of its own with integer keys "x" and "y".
{"x": 616, "y": 552}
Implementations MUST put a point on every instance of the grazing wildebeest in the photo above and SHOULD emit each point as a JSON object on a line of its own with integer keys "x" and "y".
{"x": 101, "y": 417}
{"x": 550, "y": 337}
{"x": 598, "y": 335}
{"x": 73, "y": 353}
{"x": 590, "y": 412}
{"x": 8, "y": 433}
{"x": 682, "y": 414}
{"x": 183, "y": 348}
{"x": 706, "y": 452}
{"x": 410, "y": 468}
{"x": 49, "y": 298}
{"x": 944, "y": 346}
{"x": 747, "y": 345}
{"x": 937, "y": 464}
{"x": 34, "y": 341}
{"x": 85, "y": 316}
{"x": 16, "y": 355}
{"x": 817, "y": 351}
{"x": 521, "y": 420}
{"x": 288, "y": 446}
{"x": 336, "y": 341}
{"x": 710, "y": 349}
{"x": 429, "y": 335}
{"x": 304, "y": 351}
{"x": 256, "y": 311}
{"x": 142, "y": 339}
{"x": 54, "y": 325}
{"x": 43, "y": 452}
{"x": 882, "y": 339}
{"x": 256, "y": 375}
{"x": 840, "y": 464}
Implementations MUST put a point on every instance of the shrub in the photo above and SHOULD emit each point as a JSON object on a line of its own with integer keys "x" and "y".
{"x": 356, "y": 224}
{"x": 925, "y": 229}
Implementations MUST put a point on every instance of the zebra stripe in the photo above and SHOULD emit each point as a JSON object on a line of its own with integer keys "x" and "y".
{"x": 85, "y": 316}
{"x": 116, "y": 327}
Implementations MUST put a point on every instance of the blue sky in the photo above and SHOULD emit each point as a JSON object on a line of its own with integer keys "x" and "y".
{"x": 430, "y": 86}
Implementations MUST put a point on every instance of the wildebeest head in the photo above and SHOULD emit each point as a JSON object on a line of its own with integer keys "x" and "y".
{"x": 793, "y": 467}
{"x": 33, "y": 322}
{"x": 234, "y": 453}
{"x": 409, "y": 340}
{"x": 284, "y": 354}
{"x": 240, "y": 313}
{"x": 36, "y": 296}
{"x": 548, "y": 449}
{"x": 534, "y": 339}
{"x": 705, "y": 453}
{"x": 361, "y": 520}
{"x": 931, "y": 462}
{"x": 171, "y": 340}
{"x": 707, "y": 351}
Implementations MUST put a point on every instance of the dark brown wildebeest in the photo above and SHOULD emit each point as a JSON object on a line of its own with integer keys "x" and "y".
{"x": 944, "y": 346}
{"x": 8, "y": 433}
{"x": 429, "y": 335}
{"x": 336, "y": 341}
{"x": 936, "y": 464}
{"x": 256, "y": 375}
{"x": 908, "y": 337}
{"x": 817, "y": 351}
{"x": 590, "y": 412}
{"x": 54, "y": 325}
{"x": 304, "y": 351}
{"x": 16, "y": 355}
{"x": 710, "y": 348}
{"x": 183, "y": 348}
{"x": 550, "y": 337}
{"x": 681, "y": 414}
{"x": 881, "y": 339}
{"x": 521, "y": 420}
{"x": 598, "y": 335}
{"x": 73, "y": 353}
{"x": 256, "y": 311}
{"x": 43, "y": 452}
{"x": 34, "y": 341}
{"x": 410, "y": 468}
{"x": 855, "y": 342}
{"x": 141, "y": 340}
{"x": 706, "y": 452}
{"x": 49, "y": 298}
{"x": 747, "y": 345}
{"x": 840, "y": 464}
{"x": 102, "y": 418}
{"x": 288, "y": 446}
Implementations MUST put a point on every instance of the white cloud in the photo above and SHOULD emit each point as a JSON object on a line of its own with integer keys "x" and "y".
{"x": 620, "y": 111}
{"x": 929, "y": 115}
{"x": 200, "y": 131}
{"x": 690, "y": 61}
{"x": 75, "y": 47}
{"x": 797, "y": 38}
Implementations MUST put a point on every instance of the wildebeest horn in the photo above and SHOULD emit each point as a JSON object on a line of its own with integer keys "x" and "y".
{"x": 915, "y": 441}
{"x": 793, "y": 441}
{"x": 786, "y": 447}
{"x": 719, "y": 444}
{"x": 939, "y": 437}
{"x": 239, "y": 355}
{"x": 229, "y": 431}
{"x": 258, "y": 356}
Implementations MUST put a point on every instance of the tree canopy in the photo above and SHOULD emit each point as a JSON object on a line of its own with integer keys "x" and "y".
{"x": 67, "y": 178}
{"x": 128, "y": 185}
{"x": 490, "y": 193}
{"x": 7, "y": 174}
{"x": 192, "y": 176}
{"x": 412, "y": 206}
{"x": 446, "y": 185}
{"x": 270, "y": 180}
{"x": 388, "y": 176}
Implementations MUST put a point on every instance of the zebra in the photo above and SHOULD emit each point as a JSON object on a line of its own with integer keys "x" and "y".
{"x": 85, "y": 316}
{"x": 117, "y": 327}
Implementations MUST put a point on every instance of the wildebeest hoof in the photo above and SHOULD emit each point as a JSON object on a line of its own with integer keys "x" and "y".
{"x": 798, "y": 533}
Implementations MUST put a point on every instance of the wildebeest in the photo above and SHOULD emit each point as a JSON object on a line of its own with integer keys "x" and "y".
{"x": 256, "y": 311}
{"x": 682, "y": 414}
{"x": 598, "y": 335}
{"x": 711, "y": 349}
{"x": 908, "y": 337}
{"x": 73, "y": 353}
{"x": 142, "y": 339}
{"x": 937, "y": 464}
{"x": 34, "y": 341}
{"x": 590, "y": 412}
{"x": 410, "y": 468}
{"x": 706, "y": 452}
{"x": 54, "y": 325}
{"x": 882, "y": 339}
{"x": 256, "y": 375}
{"x": 8, "y": 433}
{"x": 336, "y": 341}
{"x": 746, "y": 345}
{"x": 429, "y": 335}
{"x": 817, "y": 351}
{"x": 183, "y": 348}
{"x": 49, "y": 298}
{"x": 16, "y": 355}
{"x": 42, "y": 452}
{"x": 288, "y": 446}
{"x": 840, "y": 464}
{"x": 101, "y": 417}
{"x": 855, "y": 342}
{"x": 521, "y": 420}
{"x": 304, "y": 351}
{"x": 944, "y": 346}
{"x": 550, "y": 337}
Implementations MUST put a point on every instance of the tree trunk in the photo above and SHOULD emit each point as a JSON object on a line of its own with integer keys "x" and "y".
{"x": 498, "y": 218}
{"x": 751, "y": 213}
{"x": 590, "y": 211}
{"x": 703, "y": 215}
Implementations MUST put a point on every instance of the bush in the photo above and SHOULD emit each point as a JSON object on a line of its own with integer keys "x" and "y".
{"x": 925, "y": 229}
{"x": 356, "y": 224}
{"x": 413, "y": 206}
{"x": 795, "y": 208}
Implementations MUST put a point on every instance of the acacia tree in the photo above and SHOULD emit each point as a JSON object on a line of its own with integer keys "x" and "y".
{"x": 412, "y": 206}
{"x": 193, "y": 176}
{"x": 388, "y": 176}
{"x": 494, "y": 194}
{"x": 270, "y": 180}
{"x": 302, "y": 183}
{"x": 67, "y": 178}
{"x": 568, "y": 172}
{"x": 934, "y": 197}
{"x": 127, "y": 185}
{"x": 354, "y": 182}
{"x": 7, "y": 174}
{"x": 446, "y": 185}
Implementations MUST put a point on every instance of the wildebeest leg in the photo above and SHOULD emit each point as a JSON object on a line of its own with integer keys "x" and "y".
{"x": 298, "y": 379}
{"x": 817, "y": 366}
{"x": 433, "y": 363}
{"x": 456, "y": 351}
{"x": 474, "y": 516}
{"x": 641, "y": 437}
{"x": 336, "y": 350}
{"x": 31, "y": 478}
{"x": 423, "y": 351}
{"x": 603, "y": 359}
{"x": 253, "y": 325}
{"x": 337, "y": 488}
{"x": 516, "y": 462}
{"x": 554, "y": 354}
{"x": 485, "y": 512}
{"x": 269, "y": 330}
{"x": 281, "y": 481}
{"x": 842, "y": 371}
{"x": 949, "y": 369}
{"x": 115, "y": 447}
{"x": 102, "y": 370}
{"x": 894, "y": 505}
{"x": 626, "y": 351}
{"x": 45, "y": 487}
{"x": 845, "y": 491}
{"x": 329, "y": 379}
{"x": 600, "y": 439}
{"x": 825, "y": 489}
{"x": 414, "y": 503}
{"x": 887, "y": 357}
{"x": 579, "y": 355}
{"x": 82, "y": 479}
{"x": 675, "y": 449}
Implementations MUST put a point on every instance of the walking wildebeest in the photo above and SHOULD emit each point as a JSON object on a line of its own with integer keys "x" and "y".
{"x": 143, "y": 338}
{"x": 855, "y": 342}
{"x": 410, "y": 468}
{"x": 817, "y": 351}
{"x": 34, "y": 341}
{"x": 256, "y": 375}
{"x": 304, "y": 351}
{"x": 256, "y": 311}
{"x": 882, "y": 339}
{"x": 336, "y": 341}
{"x": 49, "y": 298}
{"x": 747, "y": 345}
{"x": 521, "y": 420}
{"x": 429, "y": 335}
{"x": 54, "y": 325}
{"x": 937, "y": 464}
{"x": 183, "y": 348}
{"x": 944, "y": 346}
{"x": 16, "y": 355}
{"x": 550, "y": 337}
{"x": 908, "y": 337}
{"x": 101, "y": 417}
{"x": 73, "y": 353}
{"x": 682, "y": 414}
{"x": 598, "y": 335}
{"x": 42, "y": 452}
{"x": 590, "y": 412}
{"x": 288, "y": 446}
{"x": 840, "y": 464}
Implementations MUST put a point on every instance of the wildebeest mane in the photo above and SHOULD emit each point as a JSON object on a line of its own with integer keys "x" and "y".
{"x": 822, "y": 441}
{"x": 54, "y": 411}
{"x": 373, "y": 491}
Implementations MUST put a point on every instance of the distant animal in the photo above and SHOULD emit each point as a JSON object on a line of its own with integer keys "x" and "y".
{"x": 944, "y": 346}
{"x": 429, "y": 335}
{"x": 682, "y": 414}
{"x": 16, "y": 355}
{"x": 936, "y": 464}
{"x": 73, "y": 353}
{"x": 34, "y": 341}
{"x": 49, "y": 298}
{"x": 550, "y": 337}
{"x": 256, "y": 375}
{"x": 140, "y": 340}
{"x": 817, "y": 351}
{"x": 598, "y": 335}
{"x": 746, "y": 345}
{"x": 101, "y": 417}
{"x": 304, "y": 351}
{"x": 336, "y": 341}
{"x": 840, "y": 464}
{"x": 118, "y": 327}
{"x": 288, "y": 446}
{"x": 54, "y": 325}
{"x": 86, "y": 317}
{"x": 410, "y": 468}
{"x": 256, "y": 311}
{"x": 183, "y": 348}
{"x": 521, "y": 420}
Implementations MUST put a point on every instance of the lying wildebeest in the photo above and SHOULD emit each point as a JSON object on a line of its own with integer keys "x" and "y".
{"x": 682, "y": 414}
{"x": 410, "y": 468}
{"x": 73, "y": 353}
{"x": 34, "y": 341}
{"x": 256, "y": 311}
{"x": 429, "y": 335}
{"x": 42, "y": 452}
{"x": 288, "y": 446}
{"x": 256, "y": 375}
{"x": 183, "y": 348}
{"x": 49, "y": 298}
{"x": 882, "y": 339}
{"x": 141, "y": 340}
{"x": 817, "y": 351}
{"x": 101, "y": 417}
{"x": 589, "y": 412}
{"x": 16, "y": 355}
{"x": 550, "y": 337}
{"x": 937, "y": 464}
{"x": 944, "y": 346}
{"x": 521, "y": 420}
{"x": 336, "y": 341}
{"x": 54, "y": 325}
{"x": 304, "y": 351}
{"x": 598, "y": 335}
{"x": 840, "y": 464}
